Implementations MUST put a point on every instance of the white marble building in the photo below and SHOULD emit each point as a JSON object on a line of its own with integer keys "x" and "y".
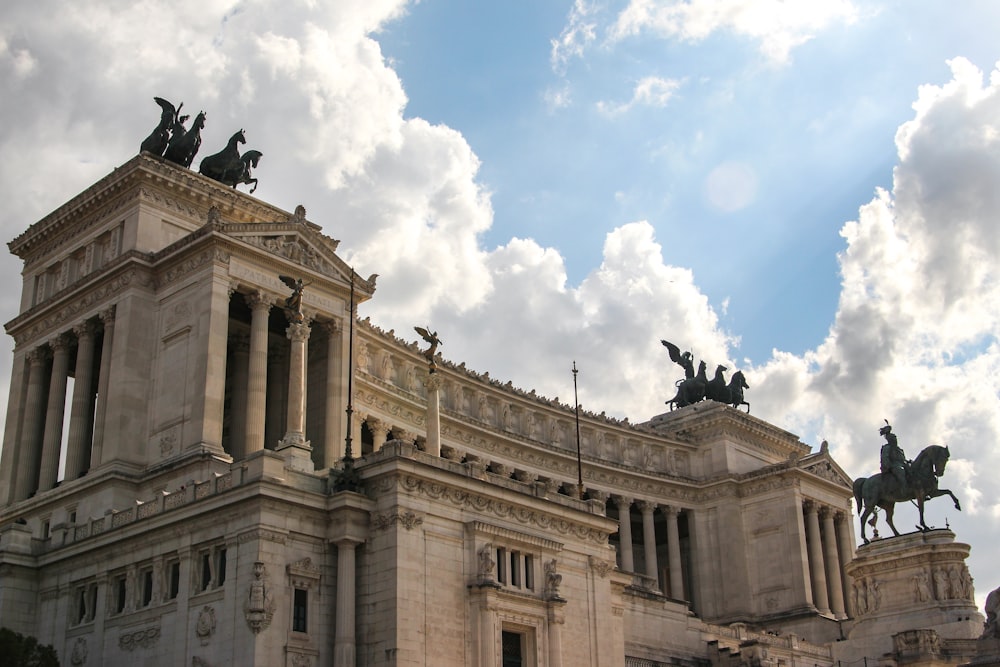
{"x": 198, "y": 518}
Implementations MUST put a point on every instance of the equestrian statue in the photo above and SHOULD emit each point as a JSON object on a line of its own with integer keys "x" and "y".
{"x": 696, "y": 387}
{"x": 901, "y": 480}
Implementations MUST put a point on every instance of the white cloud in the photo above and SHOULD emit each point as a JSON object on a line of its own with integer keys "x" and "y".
{"x": 778, "y": 25}
{"x": 650, "y": 91}
{"x": 578, "y": 34}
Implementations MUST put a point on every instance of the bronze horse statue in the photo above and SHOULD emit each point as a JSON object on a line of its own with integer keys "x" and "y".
{"x": 736, "y": 386}
{"x": 690, "y": 390}
{"x": 226, "y": 164}
{"x": 880, "y": 490}
{"x": 184, "y": 144}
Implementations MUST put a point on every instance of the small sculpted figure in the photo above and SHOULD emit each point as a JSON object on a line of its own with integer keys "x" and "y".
{"x": 431, "y": 337}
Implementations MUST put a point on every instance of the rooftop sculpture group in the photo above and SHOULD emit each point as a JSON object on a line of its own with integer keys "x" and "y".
{"x": 901, "y": 480}
{"x": 171, "y": 140}
{"x": 696, "y": 387}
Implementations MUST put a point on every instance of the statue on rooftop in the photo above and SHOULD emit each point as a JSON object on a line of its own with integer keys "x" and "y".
{"x": 431, "y": 338}
{"x": 157, "y": 141}
{"x": 886, "y": 488}
{"x": 184, "y": 144}
{"x": 696, "y": 387}
{"x": 228, "y": 166}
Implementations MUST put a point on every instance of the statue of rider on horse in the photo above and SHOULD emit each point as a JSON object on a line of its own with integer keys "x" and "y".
{"x": 901, "y": 480}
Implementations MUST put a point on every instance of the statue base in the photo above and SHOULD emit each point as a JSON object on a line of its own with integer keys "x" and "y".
{"x": 899, "y": 585}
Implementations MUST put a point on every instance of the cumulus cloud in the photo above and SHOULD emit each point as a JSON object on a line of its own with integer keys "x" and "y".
{"x": 777, "y": 25}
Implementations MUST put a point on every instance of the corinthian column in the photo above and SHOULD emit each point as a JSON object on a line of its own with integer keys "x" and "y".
{"x": 625, "y": 531}
{"x": 298, "y": 449}
{"x": 52, "y": 440}
{"x": 333, "y": 435}
{"x": 26, "y": 481}
{"x": 257, "y": 383}
{"x": 816, "y": 567}
{"x": 433, "y": 384}
{"x": 674, "y": 554}
{"x": 103, "y": 381}
{"x": 832, "y": 565}
{"x": 649, "y": 538}
{"x": 78, "y": 441}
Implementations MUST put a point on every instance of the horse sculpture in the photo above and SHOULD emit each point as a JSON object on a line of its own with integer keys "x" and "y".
{"x": 736, "y": 386}
{"x": 225, "y": 163}
{"x": 156, "y": 142}
{"x": 248, "y": 160}
{"x": 691, "y": 390}
{"x": 879, "y": 491}
{"x": 184, "y": 144}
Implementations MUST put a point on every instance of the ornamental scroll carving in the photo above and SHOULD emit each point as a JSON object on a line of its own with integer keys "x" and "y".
{"x": 407, "y": 520}
{"x": 147, "y": 638}
{"x": 600, "y": 567}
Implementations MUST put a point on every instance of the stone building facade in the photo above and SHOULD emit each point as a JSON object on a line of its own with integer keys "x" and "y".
{"x": 170, "y": 481}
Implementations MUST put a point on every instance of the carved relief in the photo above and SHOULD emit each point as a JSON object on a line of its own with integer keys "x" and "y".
{"x": 205, "y": 626}
{"x": 259, "y": 605}
{"x": 131, "y": 641}
{"x": 600, "y": 567}
{"x": 78, "y": 654}
{"x": 407, "y": 520}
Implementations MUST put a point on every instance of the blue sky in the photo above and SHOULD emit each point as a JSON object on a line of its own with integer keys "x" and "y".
{"x": 817, "y": 131}
{"x": 806, "y": 191}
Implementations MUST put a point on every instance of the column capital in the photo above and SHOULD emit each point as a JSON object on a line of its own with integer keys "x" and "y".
{"x": 621, "y": 501}
{"x": 37, "y": 355}
{"x": 810, "y": 506}
{"x": 598, "y": 495}
{"x": 107, "y": 317}
{"x": 433, "y": 382}
{"x": 330, "y": 327}
{"x": 825, "y": 512}
{"x": 377, "y": 425}
{"x": 298, "y": 332}
{"x": 646, "y": 506}
{"x": 258, "y": 301}
{"x": 670, "y": 510}
{"x": 59, "y": 343}
{"x": 85, "y": 328}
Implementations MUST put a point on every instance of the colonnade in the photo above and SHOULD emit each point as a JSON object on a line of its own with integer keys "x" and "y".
{"x": 829, "y": 548}
{"x": 674, "y": 584}
{"x": 31, "y": 457}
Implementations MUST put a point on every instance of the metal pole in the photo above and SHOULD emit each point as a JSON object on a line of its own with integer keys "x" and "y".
{"x": 348, "y": 454}
{"x": 579, "y": 460}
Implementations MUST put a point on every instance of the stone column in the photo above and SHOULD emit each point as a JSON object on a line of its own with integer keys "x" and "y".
{"x": 277, "y": 358}
{"x": 842, "y": 520}
{"x": 359, "y": 419}
{"x": 345, "y": 644}
{"x": 333, "y": 435}
{"x": 240, "y": 396}
{"x": 26, "y": 481}
{"x": 649, "y": 537}
{"x": 78, "y": 441}
{"x": 103, "y": 381}
{"x": 833, "y": 567}
{"x": 257, "y": 381}
{"x": 52, "y": 440}
{"x": 13, "y": 450}
{"x": 380, "y": 431}
{"x": 295, "y": 441}
{"x": 674, "y": 554}
{"x": 625, "y": 531}
{"x": 816, "y": 567}
{"x": 433, "y": 384}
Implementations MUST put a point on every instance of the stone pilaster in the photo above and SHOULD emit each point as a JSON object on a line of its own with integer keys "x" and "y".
{"x": 833, "y": 565}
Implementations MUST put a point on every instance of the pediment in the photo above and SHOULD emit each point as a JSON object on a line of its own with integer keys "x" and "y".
{"x": 299, "y": 242}
{"x": 824, "y": 466}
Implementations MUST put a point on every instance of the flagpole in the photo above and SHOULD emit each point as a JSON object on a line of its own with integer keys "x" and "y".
{"x": 579, "y": 459}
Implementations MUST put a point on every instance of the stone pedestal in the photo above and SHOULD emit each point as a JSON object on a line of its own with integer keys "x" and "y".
{"x": 917, "y": 580}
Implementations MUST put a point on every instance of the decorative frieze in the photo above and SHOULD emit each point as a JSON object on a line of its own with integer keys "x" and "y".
{"x": 407, "y": 520}
{"x": 139, "y": 639}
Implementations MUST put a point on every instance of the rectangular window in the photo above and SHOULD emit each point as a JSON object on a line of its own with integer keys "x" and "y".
{"x": 300, "y": 605}
{"x": 220, "y": 567}
{"x": 120, "y": 594}
{"x": 206, "y": 571}
{"x": 81, "y": 612}
{"x": 529, "y": 572}
{"x": 45, "y": 529}
{"x": 515, "y": 569}
{"x": 512, "y": 649}
{"x": 175, "y": 580}
{"x": 501, "y": 565}
{"x": 147, "y": 587}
